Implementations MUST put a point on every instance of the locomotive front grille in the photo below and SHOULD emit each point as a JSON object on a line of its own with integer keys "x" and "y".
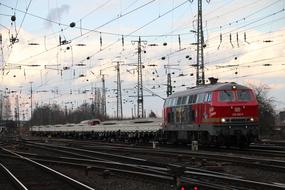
{"x": 237, "y": 120}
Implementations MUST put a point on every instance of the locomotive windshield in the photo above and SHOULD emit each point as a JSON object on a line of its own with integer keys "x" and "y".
{"x": 243, "y": 95}
{"x": 239, "y": 95}
{"x": 226, "y": 96}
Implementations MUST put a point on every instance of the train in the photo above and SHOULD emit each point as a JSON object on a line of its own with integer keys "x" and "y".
{"x": 221, "y": 114}
{"x": 214, "y": 114}
{"x": 135, "y": 131}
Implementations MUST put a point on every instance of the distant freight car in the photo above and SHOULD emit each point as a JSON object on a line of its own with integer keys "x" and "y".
{"x": 137, "y": 130}
{"x": 218, "y": 113}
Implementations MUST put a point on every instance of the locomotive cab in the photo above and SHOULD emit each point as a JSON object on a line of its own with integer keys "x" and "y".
{"x": 235, "y": 114}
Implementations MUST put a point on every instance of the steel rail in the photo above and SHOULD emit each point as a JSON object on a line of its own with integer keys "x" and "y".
{"x": 227, "y": 178}
{"x": 13, "y": 178}
{"x": 68, "y": 179}
{"x": 160, "y": 176}
{"x": 238, "y": 159}
{"x": 165, "y": 176}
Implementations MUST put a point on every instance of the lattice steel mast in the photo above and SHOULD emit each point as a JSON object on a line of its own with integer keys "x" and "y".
{"x": 140, "y": 107}
{"x": 200, "y": 74}
{"x": 103, "y": 101}
{"x": 119, "y": 93}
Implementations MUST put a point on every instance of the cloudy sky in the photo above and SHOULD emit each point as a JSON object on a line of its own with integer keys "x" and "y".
{"x": 245, "y": 43}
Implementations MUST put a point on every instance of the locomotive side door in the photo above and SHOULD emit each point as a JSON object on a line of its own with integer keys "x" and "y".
{"x": 199, "y": 108}
{"x": 202, "y": 107}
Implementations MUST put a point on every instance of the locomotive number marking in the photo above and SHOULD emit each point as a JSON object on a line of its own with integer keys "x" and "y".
{"x": 237, "y": 114}
{"x": 237, "y": 109}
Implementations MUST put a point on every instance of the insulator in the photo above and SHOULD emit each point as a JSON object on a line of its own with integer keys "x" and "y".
{"x": 237, "y": 40}
{"x": 221, "y": 39}
{"x": 231, "y": 40}
{"x": 81, "y": 27}
{"x": 13, "y": 18}
{"x": 72, "y": 24}
{"x": 179, "y": 42}
{"x": 100, "y": 40}
{"x": 123, "y": 42}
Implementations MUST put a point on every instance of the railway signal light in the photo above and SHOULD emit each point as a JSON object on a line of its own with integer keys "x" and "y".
{"x": 186, "y": 187}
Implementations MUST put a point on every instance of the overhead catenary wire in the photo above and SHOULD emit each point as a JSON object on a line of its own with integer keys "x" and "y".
{"x": 176, "y": 54}
{"x": 112, "y": 20}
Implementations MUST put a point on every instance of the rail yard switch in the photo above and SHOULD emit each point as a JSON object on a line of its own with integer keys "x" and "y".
{"x": 154, "y": 144}
{"x": 194, "y": 146}
{"x": 87, "y": 169}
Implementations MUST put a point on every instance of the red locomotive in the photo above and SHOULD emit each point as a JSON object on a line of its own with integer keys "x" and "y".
{"x": 216, "y": 113}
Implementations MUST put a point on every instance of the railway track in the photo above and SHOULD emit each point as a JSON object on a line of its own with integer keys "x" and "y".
{"x": 152, "y": 173}
{"x": 245, "y": 159}
{"x": 164, "y": 175}
{"x": 26, "y": 174}
{"x": 254, "y": 149}
{"x": 164, "y": 168}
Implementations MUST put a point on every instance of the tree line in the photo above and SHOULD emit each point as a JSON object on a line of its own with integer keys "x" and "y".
{"x": 54, "y": 114}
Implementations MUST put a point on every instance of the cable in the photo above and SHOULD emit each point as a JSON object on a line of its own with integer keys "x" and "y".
{"x": 247, "y": 24}
{"x": 97, "y": 8}
{"x": 17, "y": 33}
{"x": 112, "y": 20}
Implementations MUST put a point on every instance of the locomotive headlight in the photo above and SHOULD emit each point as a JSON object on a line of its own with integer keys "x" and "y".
{"x": 223, "y": 120}
{"x": 252, "y": 119}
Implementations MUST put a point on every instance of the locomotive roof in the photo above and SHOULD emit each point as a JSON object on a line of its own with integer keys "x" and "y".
{"x": 209, "y": 88}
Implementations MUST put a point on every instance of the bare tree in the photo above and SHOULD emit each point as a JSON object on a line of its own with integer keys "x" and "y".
{"x": 54, "y": 114}
{"x": 152, "y": 114}
{"x": 267, "y": 113}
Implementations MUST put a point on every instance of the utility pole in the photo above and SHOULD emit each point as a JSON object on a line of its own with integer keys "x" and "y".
{"x": 103, "y": 101}
{"x": 119, "y": 94}
{"x": 31, "y": 99}
{"x": 200, "y": 74}
{"x": 17, "y": 110}
{"x": 97, "y": 100}
{"x": 1, "y": 53}
{"x": 140, "y": 107}
{"x": 1, "y": 105}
